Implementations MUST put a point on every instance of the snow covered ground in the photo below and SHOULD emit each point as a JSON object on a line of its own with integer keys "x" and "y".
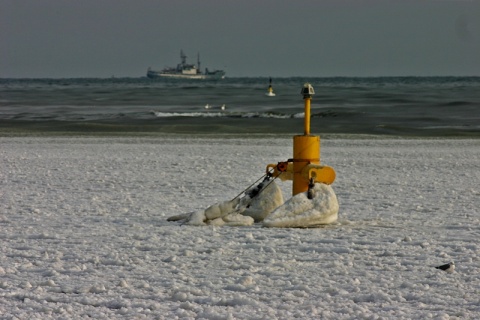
{"x": 84, "y": 231}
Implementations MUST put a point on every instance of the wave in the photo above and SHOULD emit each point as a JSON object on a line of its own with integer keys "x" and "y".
{"x": 247, "y": 115}
{"x": 440, "y": 106}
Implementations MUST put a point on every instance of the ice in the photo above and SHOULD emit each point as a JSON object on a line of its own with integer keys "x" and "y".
{"x": 265, "y": 203}
{"x": 254, "y": 205}
{"x": 269, "y": 198}
{"x": 219, "y": 214}
{"x": 84, "y": 230}
{"x": 300, "y": 211}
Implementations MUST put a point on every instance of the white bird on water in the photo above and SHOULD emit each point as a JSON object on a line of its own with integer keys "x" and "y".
{"x": 449, "y": 267}
{"x": 222, "y": 107}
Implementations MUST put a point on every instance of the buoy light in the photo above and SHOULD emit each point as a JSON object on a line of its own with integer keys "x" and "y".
{"x": 307, "y": 90}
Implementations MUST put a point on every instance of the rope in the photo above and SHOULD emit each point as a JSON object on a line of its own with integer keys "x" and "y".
{"x": 262, "y": 177}
{"x": 269, "y": 174}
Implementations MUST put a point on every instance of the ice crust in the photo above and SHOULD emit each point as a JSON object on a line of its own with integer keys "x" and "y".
{"x": 267, "y": 206}
{"x": 84, "y": 231}
{"x": 270, "y": 198}
{"x": 301, "y": 212}
{"x": 241, "y": 211}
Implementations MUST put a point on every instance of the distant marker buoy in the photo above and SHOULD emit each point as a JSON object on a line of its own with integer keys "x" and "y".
{"x": 270, "y": 90}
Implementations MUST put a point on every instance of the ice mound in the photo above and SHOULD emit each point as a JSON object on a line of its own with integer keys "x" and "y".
{"x": 300, "y": 211}
{"x": 257, "y": 203}
{"x": 268, "y": 200}
{"x": 219, "y": 214}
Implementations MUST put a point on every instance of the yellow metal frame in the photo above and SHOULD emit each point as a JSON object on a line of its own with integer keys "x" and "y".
{"x": 321, "y": 174}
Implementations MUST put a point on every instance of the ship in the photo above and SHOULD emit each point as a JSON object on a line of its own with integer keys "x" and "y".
{"x": 186, "y": 71}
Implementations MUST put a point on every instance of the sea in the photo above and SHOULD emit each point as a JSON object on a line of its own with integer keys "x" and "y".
{"x": 392, "y": 106}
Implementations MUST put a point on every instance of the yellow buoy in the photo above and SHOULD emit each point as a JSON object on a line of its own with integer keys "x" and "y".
{"x": 305, "y": 166}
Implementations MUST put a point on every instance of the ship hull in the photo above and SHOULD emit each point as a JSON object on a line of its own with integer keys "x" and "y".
{"x": 157, "y": 75}
{"x": 185, "y": 70}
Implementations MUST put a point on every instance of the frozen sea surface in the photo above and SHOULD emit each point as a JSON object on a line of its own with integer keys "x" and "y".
{"x": 84, "y": 231}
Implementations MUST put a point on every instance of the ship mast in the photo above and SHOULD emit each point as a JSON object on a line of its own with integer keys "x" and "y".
{"x": 183, "y": 57}
{"x": 198, "y": 62}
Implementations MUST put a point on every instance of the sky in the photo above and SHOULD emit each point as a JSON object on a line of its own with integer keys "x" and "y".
{"x": 248, "y": 38}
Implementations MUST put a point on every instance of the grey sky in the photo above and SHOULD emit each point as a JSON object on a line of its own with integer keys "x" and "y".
{"x": 103, "y": 38}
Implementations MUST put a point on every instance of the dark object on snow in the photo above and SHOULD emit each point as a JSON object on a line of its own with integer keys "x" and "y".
{"x": 311, "y": 185}
{"x": 256, "y": 190}
{"x": 449, "y": 267}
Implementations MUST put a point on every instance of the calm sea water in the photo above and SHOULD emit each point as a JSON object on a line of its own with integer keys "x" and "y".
{"x": 417, "y": 106}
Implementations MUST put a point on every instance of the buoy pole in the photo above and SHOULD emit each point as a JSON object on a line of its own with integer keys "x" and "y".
{"x": 306, "y": 148}
{"x": 307, "y": 99}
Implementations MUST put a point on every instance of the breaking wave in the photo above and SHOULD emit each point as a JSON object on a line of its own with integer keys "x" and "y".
{"x": 272, "y": 115}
